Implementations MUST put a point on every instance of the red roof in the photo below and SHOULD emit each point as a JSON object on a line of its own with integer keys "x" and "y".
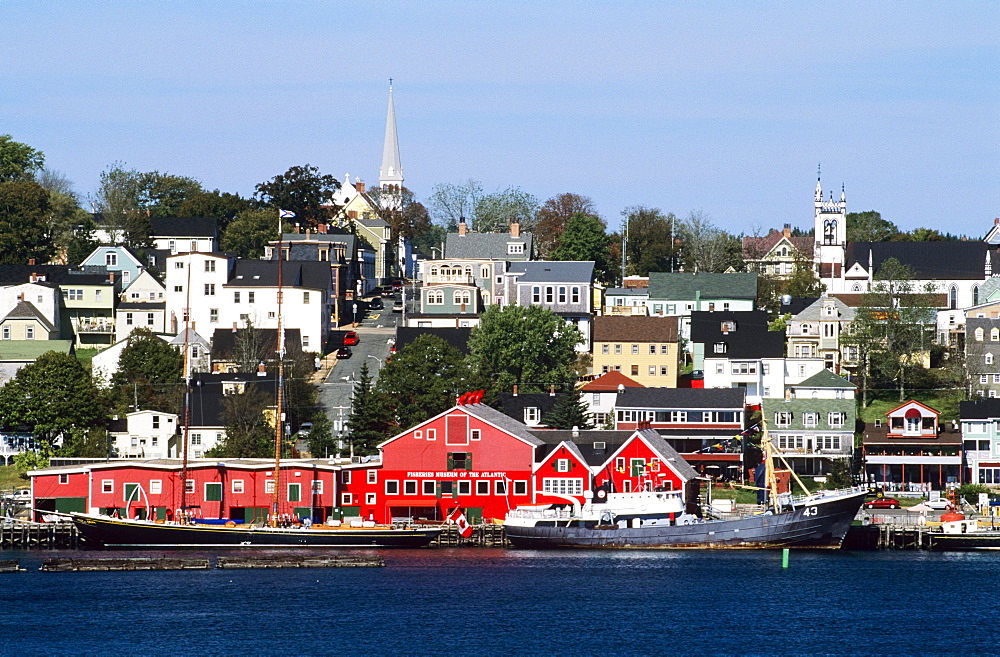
{"x": 609, "y": 382}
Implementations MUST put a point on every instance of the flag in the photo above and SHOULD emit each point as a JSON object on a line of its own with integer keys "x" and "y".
{"x": 286, "y": 214}
{"x": 458, "y": 518}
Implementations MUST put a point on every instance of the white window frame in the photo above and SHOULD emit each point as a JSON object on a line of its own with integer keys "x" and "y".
{"x": 237, "y": 486}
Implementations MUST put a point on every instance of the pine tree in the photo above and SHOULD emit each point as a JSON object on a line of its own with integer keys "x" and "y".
{"x": 569, "y": 411}
{"x": 369, "y": 422}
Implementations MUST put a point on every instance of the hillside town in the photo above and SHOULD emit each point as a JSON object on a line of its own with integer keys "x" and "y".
{"x": 509, "y": 359}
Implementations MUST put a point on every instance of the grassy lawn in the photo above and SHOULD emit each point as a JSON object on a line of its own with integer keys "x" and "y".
{"x": 86, "y": 355}
{"x": 10, "y": 479}
{"x": 883, "y": 401}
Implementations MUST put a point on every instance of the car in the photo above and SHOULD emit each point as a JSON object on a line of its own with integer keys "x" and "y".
{"x": 882, "y": 503}
{"x": 397, "y": 286}
{"x": 397, "y": 307}
{"x": 376, "y": 304}
{"x": 344, "y": 352}
{"x": 351, "y": 338}
{"x": 388, "y": 291}
{"x": 305, "y": 428}
{"x": 939, "y": 504}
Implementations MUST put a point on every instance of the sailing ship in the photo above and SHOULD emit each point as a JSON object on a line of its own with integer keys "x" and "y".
{"x": 182, "y": 531}
{"x": 660, "y": 519}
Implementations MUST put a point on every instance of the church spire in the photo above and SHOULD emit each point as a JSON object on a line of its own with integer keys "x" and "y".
{"x": 391, "y": 173}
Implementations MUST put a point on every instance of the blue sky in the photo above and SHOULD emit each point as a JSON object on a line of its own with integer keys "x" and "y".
{"x": 721, "y": 107}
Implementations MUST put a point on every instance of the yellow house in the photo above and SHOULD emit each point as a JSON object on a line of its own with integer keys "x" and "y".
{"x": 643, "y": 348}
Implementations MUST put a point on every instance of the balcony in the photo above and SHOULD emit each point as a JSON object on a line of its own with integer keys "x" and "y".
{"x": 626, "y": 311}
{"x": 95, "y": 327}
{"x": 462, "y": 279}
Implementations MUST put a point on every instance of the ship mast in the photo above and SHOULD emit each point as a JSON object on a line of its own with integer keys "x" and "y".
{"x": 278, "y": 420}
{"x": 187, "y": 390}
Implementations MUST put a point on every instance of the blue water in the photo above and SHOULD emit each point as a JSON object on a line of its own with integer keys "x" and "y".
{"x": 497, "y": 602}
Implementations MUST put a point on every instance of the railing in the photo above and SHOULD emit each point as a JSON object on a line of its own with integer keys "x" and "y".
{"x": 95, "y": 328}
{"x": 450, "y": 278}
{"x": 626, "y": 311}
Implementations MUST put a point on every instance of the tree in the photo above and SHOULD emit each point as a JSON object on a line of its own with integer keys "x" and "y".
{"x": 249, "y": 232}
{"x": 451, "y": 203}
{"x": 529, "y": 346}
{"x": 553, "y": 217}
{"x": 890, "y": 327}
{"x": 706, "y": 247}
{"x": 119, "y": 200}
{"x": 24, "y": 223}
{"x": 570, "y": 411}
{"x": 322, "y": 444}
{"x": 149, "y": 374}
{"x": 652, "y": 240}
{"x": 248, "y": 433}
{"x": 70, "y": 226}
{"x": 431, "y": 241}
{"x": 221, "y": 205}
{"x": 369, "y": 422}
{"x": 584, "y": 238}
{"x": 405, "y": 215}
{"x": 164, "y": 194}
{"x": 495, "y": 212}
{"x": 923, "y": 235}
{"x": 422, "y": 380}
{"x": 869, "y": 227}
{"x": 52, "y": 396}
{"x": 18, "y": 161}
{"x": 301, "y": 189}
{"x": 803, "y": 283}
{"x": 86, "y": 442}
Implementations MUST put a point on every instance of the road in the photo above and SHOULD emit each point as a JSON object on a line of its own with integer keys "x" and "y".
{"x": 376, "y": 331}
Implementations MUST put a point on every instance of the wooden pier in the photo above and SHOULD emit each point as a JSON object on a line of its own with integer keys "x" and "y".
{"x": 129, "y": 563}
{"x": 39, "y": 536}
{"x": 295, "y": 561}
{"x": 482, "y": 536}
{"x": 11, "y": 566}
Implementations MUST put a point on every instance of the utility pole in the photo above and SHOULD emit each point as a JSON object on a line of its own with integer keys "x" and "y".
{"x": 624, "y": 247}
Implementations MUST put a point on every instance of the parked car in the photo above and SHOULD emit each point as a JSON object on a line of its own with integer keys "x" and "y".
{"x": 388, "y": 291}
{"x": 375, "y": 304}
{"x": 882, "y": 503}
{"x": 344, "y": 352}
{"x": 397, "y": 306}
{"x": 351, "y": 338}
{"x": 939, "y": 504}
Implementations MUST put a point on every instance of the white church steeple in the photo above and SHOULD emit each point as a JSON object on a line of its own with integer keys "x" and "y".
{"x": 390, "y": 175}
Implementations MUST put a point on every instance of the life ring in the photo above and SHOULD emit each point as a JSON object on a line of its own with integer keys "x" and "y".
{"x": 230, "y": 523}
{"x": 601, "y": 494}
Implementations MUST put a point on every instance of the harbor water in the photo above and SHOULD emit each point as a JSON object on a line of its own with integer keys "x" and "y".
{"x": 508, "y": 602}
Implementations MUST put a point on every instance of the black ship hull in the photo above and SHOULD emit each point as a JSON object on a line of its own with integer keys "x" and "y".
{"x": 820, "y": 523}
{"x": 101, "y": 531}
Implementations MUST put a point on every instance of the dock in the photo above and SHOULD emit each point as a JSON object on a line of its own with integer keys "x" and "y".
{"x": 128, "y": 563}
{"x": 295, "y": 561}
{"x": 11, "y": 566}
{"x": 485, "y": 535}
{"x": 39, "y": 536}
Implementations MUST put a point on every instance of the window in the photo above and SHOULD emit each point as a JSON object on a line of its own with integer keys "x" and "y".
{"x": 345, "y": 499}
{"x": 209, "y": 289}
{"x": 391, "y": 487}
{"x": 178, "y": 288}
{"x": 515, "y": 248}
{"x": 410, "y": 487}
{"x": 370, "y": 498}
{"x": 294, "y": 492}
{"x": 107, "y": 485}
{"x": 432, "y": 434}
{"x": 210, "y": 265}
{"x": 979, "y": 334}
{"x": 195, "y": 438}
{"x": 213, "y": 315}
{"x": 236, "y": 297}
{"x": 317, "y": 486}
{"x": 837, "y": 419}
{"x": 635, "y": 349}
{"x": 435, "y": 298}
{"x": 482, "y": 487}
{"x": 98, "y": 294}
{"x": 189, "y": 485}
{"x": 237, "y": 486}
{"x": 373, "y": 476}
{"x": 635, "y": 370}
{"x": 177, "y": 264}
{"x": 155, "y": 486}
{"x": 549, "y": 293}
{"x": 520, "y": 488}
{"x": 810, "y": 419}
{"x": 29, "y": 332}
{"x": 618, "y": 348}
{"x": 459, "y": 461}
{"x": 250, "y": 297}
{"x": 461, "y": 297}
{"x": 995, "y": 334}
{"x": 305, "y": 298}
{"x": 430, "y": 487}
{"x": 345, "y": 476}
{"x": 269, "y": 486}
{"x": 562, "y": 485}
{"x": 532, "y": 414}
{"x": 562, "y": 294}
{"x": 782, "y": 419}
{"x": 562, "y": 465}
{"x": 536, "y": 294}
{"x": 652, "y": 370}
{"x": 663, "y": 370}
{"x": 575, "y": 295}
{"x": 156, "y": 421}
{"x": 719, "y": 347}
{"x": 111, "y": 259}
{"x": 75, "y": 295}
{"x": 475, "y": 434}
{"x": 500, "y": 487}
{"x": 989, "y": 359}
{"x": 213, "y": 491}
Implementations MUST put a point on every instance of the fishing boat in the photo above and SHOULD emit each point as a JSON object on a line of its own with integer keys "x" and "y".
{"x": 280, "y": 530}
{"x": 962, "y": 534}
{"x": 661, "y": 519}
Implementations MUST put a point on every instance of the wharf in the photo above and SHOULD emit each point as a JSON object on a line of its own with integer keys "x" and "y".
{"x": 10, "y": 566}
{"x": 128, "y": 563}
{"x": 486, "y": 535}
{"x": 295, "y": 561}
{"x": 39, "y": 536}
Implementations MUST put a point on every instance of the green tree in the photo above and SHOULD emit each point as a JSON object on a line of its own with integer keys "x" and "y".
{"x": 495, "y": 212}
{"x": 869, "y": 227}
{"x": 422, "y": 380}
{"x": 248, "y": 432}
{"x": 149, "y": 375}
{"x": 322, "y": 443}
{"x": 249, "y": 232}
{"x": 24, "y": 223}
{"x": 18, "y": 161}
{"x": 301, "y": 189}
{"x": 164, "y": 194}
{"x": 370, "y": 421}
{"x": 52, "y": 396}
{"x": 406, "y": 216}
{"x": 86, "y": 442}
{"x": 529, "y": 346}
{"x": 584, "y": 239}
{"x": 70, "y": 226}
{"x": 570, "y": 411}
{"x": 706, "y": 247}
{"x": 120, "y": 201}
{"x": 841, "y": 475}
{"x": 553, "y": 217}
{"x": 221, "y": 205}
{"x": 652, "y": 240}
{"x": 803, "y": 283}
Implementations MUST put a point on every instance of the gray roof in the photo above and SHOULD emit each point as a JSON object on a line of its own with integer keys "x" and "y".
{"x": 185, "y": 226}
{"x": 687, "y": 398}
{"x": 264, "y": 273}
{"x": 486, "y": 246}
{"x": 22, "y": 350}
{"x": 684, "y": 286}
{"x": 25, "y": 310}
{"x": 814, "y": 312}
{"x": 553, "y": 271}
{"x": 824, "y": 379}
{"x": 498, "y": 419}
{"x": 627, "y": 291}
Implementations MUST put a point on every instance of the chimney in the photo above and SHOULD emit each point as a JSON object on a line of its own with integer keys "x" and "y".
{"x": 307, "y": 233}
{"x": 321, "y": 229}
{"x": 515, "y": 229}
{"x": 31, "y": 261}
{"x": 296, "y": 228}
{"x": 515, "y": 390}
{"x": 20, "y": 296}
{"x": 787, "y": 231}
{"x": 462, "y": 227}
{"x": 552, "y": 391}
{"x": 261, "y": 370}
{"x": 360, "y": 186}
{"x": 576, "y": 431}
{"x": 234, "y": 327}
{"x": 111, "y": 277}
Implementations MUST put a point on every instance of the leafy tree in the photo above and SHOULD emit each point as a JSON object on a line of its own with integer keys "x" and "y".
{"x": 570, "y": 411}
{"x": 221, "y": 205}
{"x": 869, "y": 227}
{"x": 449, "y": 203}
{"x": 495, "y": 212}
{"x": 18, "y": 161}
{"x": 302, "y": 189}
{"x": 923, "y": 235}
{"x": 370, "y": 421}
{"x": 803, "y": 282}
{"x": 553, "y": 217}
{"x": 149, "y": 374}
{"x": 321, "y": 440}
{"x": 430, "y": 241}
{"x": 249, "y": 233}
{"x": 35, "y": 459}
{"x": 248, "y": 433}
{"x": 652, "y": 240}
{"x": 841, "y": 475}
{"x": 70, "y": 226}
{"x": 52, "y": 396}
{"x": 120, "y": 201}
{"x": 422, "y": 380}
{"x": 529, "y": 346}
{"x": 405, "y": 215}
{"x": 86, "y": 442}
{"x": 24, "y": 223}
{"x": 706, "y": 247}
{"x": 970, "y": 492}
{"x": 301, "y": 400}
{"x": 890, "y": 327}
{"x": 583, "y": 239}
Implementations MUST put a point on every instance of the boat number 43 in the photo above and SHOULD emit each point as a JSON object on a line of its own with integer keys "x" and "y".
{"x": 810, "y": 511}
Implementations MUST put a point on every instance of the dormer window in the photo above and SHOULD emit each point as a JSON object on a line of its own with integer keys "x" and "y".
{"x": 515, "y": 248}
{"x": 728, "y": 326}
{"x": 719, "y": 347}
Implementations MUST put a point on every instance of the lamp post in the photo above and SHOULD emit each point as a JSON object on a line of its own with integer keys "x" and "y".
{"x": 378, "y": 359}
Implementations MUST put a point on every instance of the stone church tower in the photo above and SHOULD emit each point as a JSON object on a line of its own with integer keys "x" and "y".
{"x": 830, "y": 233}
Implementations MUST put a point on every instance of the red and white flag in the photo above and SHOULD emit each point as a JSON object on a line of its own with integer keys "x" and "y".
{"x": 458, "y": 518}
